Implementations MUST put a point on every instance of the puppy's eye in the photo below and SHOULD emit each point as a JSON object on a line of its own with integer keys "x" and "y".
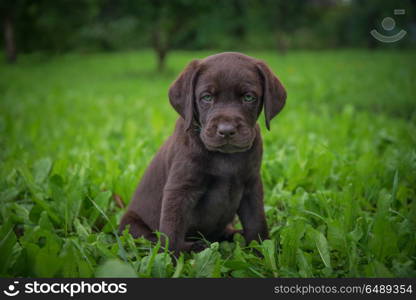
{"x": 207, "y": 98}
{"x": 249, "y": 98}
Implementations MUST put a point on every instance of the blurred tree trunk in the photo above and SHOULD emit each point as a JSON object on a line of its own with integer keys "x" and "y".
{"x": 9, "y": 39}
{"x": 282, "y": 42}
{"x": 161, "y": 64}
{"x": 160, "y": 45}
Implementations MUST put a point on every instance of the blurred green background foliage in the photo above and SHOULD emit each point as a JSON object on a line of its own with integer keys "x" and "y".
{"x": 110, "y": 25}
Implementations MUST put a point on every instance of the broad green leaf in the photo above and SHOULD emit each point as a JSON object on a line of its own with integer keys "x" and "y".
{"x": 74, "y": 261}
{"x": 84, "y": 260}
{"x": 236, "y": 264}
{"x": 21, "y": 213}
{"x": 146, "y": 264}
{"x": 305, "y": 268}
{"x": 115, "y": 268}
{"x": 44, "y": 222}
{"x": 121, "y": 250}
{"x": 377, "y": 269}
{"x": 290, "y": 241}
{"x": 268, "y": 249}
{"x": 74, "y": 202}
{"x": 243, "y": 273}
{"x": 357, "y": 233}
{"x": 205, "y": 263}
{"x": 238, "y": 254}
{"x": 179, "y": 266}
{"x": 41, "y": 169}
{"x": 100, "y": 203}
{"x": 9, "y": 194}
{"x": 383, "y": 242}
{"x": 81, "y": 230}
{"x": 322, "y": 246}
{"x": 350, "y": 207}
{"x": 7, "y": 243}
{"x": 47, "y": 263}
{"x": 37, "y": 194}
{"x": 337, "y": 236}
{"x": 35, "y": 213}
{"x": 162, "y": 266}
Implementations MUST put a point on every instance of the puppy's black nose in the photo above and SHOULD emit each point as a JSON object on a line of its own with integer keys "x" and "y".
{"x": 226, "y": 130}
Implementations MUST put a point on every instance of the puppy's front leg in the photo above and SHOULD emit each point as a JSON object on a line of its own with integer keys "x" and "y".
{"x": 251, "y": 211}
{"x": 179, "y": 197}
{"x": 173, "y": 218}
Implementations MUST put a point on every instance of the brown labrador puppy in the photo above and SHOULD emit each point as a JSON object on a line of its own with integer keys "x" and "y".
{"x": 209, "y": 169}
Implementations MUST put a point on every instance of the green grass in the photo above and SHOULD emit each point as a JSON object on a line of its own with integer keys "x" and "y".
{"x": 339, "y": 167}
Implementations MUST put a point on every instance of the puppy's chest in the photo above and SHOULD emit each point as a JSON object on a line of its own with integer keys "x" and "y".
{"x": 223, "y": 189}
{"x": 228, "y": 169}
{"x": 220, "y": 200}
{"x": 224, "y": 185}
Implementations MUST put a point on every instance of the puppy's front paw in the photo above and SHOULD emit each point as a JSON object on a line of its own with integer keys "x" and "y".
{"x": 228, "y": 234}
{"x": 197, "y": 246}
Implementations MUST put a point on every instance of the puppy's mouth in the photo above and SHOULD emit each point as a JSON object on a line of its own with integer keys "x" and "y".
{"x": 227, "y": 145}
{"x": 240, "y": 143}
{"x": 227, "y": 148}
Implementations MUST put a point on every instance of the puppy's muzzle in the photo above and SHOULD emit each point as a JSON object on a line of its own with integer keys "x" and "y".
{"x": 228, "y": 134}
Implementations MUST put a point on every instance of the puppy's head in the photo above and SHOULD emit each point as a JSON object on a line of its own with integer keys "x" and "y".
{"x": 223, "y": 95}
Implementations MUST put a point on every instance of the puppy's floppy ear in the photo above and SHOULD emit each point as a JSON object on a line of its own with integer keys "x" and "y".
{"x": 274, "y": 94}
{"x": 182, "y": 93}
